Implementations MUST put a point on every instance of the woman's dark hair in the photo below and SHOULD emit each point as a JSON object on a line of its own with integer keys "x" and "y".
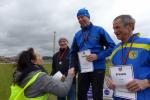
{"x": 25, "y": 65}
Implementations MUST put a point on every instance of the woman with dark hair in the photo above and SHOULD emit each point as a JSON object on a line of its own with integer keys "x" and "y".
{"x": 31, "y": 82}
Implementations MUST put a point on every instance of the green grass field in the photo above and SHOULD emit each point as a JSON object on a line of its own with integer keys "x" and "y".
{"x": 6, "y": 71}
{"x": 5, "y": 80}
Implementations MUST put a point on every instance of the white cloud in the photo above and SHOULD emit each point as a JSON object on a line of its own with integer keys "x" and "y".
{"x": 31, "y": 23}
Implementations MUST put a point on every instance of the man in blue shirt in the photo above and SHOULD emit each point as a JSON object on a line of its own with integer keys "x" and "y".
{"x": 98, "y": 41}
{"x": 133, "y": 50}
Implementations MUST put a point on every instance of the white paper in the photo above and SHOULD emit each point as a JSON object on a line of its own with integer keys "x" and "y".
{"x": 85, "y": 65}
{"x": 58, "y": 76}
{"x": 121, "y": 76}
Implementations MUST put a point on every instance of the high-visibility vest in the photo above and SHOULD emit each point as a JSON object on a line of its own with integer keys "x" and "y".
{"x": 17, "y": 92}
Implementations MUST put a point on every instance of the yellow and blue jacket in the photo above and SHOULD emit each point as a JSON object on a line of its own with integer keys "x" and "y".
{"x": 139, "y": 57}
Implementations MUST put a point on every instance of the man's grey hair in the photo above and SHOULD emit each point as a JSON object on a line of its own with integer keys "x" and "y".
{"x": 62, "y": 38}
{"x": 126, "y": 19}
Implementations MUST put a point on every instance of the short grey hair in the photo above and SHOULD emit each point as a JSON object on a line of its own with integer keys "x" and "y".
{"x": 126, "y": 19}
{"x": 62, "y": 38}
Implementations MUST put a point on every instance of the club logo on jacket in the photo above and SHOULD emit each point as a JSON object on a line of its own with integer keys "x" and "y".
{"x": 133, "y": 54}
{"x": 93, "y": 37}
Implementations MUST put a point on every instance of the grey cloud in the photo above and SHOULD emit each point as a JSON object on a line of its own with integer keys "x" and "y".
{"x": 31, "y": 23}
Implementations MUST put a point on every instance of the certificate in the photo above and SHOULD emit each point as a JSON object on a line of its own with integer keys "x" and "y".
{"x": 85, "y": 65}
{"x": 121, "y": 75}
{"x": 58, "y": 76}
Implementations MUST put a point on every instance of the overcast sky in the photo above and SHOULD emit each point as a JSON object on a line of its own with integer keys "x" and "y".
{"x": 31, "y": 23}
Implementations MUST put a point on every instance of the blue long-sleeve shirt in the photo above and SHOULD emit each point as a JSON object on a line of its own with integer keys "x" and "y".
{"x": 97, "y": 40}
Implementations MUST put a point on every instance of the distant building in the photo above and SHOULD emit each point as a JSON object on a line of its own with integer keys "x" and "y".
{"x": 14, "y": 59}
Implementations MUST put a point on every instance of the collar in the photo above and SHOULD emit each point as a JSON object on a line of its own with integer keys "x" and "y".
{"x": 87, "y": 27}
{"x": 63, "y": 49}
{"x": 134, "y": 36}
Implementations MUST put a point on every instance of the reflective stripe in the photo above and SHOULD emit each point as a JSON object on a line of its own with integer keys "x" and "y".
{"x": 134, "y": 45}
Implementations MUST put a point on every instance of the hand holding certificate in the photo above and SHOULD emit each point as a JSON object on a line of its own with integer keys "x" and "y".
{"x": 58, "y": 76}
{"x": 121, "y": 76}
{"x": 85, "y": 65}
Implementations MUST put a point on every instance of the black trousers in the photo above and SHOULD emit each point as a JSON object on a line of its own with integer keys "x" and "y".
{"x": 96, "y": 79}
